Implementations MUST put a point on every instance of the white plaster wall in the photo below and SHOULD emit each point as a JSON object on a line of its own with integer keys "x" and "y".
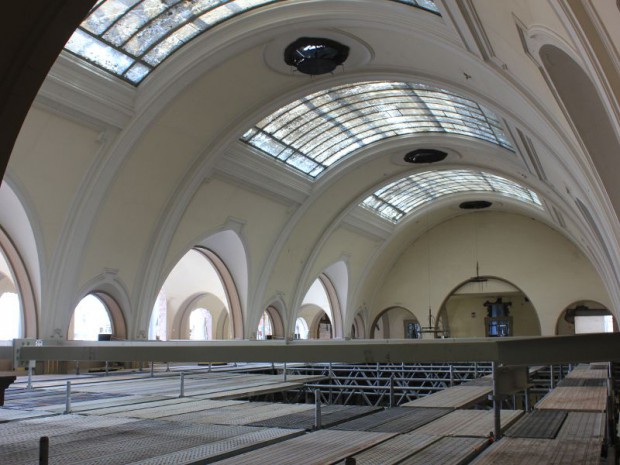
{"x": 538, "y": 260}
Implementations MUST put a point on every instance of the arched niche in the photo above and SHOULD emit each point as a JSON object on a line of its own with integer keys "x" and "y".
{"x": 395, "y": 323}
{"x": 572, "y": 320}
{"x": 465, "y": 312}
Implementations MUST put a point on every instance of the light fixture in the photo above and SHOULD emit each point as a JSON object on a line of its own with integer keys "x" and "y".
{"x": 315, "y": 56}
{"x": 423, "y": 156}
{"x": 475, "y": 204}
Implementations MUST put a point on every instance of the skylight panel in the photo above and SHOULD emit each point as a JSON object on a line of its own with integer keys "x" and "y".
{"x": 129, "y": 38}
{"x": 331, "y": 124}
{"x": 400, "y": 197}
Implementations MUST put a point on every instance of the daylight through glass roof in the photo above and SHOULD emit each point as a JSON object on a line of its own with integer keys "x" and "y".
{"x": 313, "y": 133}
{"x": 129, "y": 38}
{"x": 404, "y": 195}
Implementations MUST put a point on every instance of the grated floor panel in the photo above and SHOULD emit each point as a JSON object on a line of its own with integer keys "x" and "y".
{"x": 418, "y": 417}
{"x": 541, "y": 424}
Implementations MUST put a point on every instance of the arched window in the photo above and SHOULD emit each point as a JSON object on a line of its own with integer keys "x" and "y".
{"x": 90, "y": 319}
{"x": 265, "y": 327}
{"x": 11, "y": 317}
{"x": 301, "y": 329}
{"x": 200, "y": 325}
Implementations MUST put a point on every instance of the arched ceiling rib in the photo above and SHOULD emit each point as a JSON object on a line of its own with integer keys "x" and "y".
{"x": 402, "y": 196}
{"x": 316, "y": 131}
{"x": 130, "y": 38}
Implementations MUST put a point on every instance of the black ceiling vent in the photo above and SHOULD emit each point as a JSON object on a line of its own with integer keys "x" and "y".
{"x": 425, "y": 156}
{"x": 475, "y": 204}
{"x": 315, "y": 56}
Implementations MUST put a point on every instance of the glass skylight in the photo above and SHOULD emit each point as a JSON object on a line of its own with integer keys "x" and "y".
{"x": 313, "y": 133}
{"x": 129, "y": 38}
{"x": 404, "y": 195}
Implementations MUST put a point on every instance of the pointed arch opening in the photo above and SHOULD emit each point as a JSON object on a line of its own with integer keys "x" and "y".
{"x": 321, "y": 308}
{"x": 200, "y": 279}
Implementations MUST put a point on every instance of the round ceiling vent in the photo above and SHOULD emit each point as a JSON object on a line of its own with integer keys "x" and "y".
{"x": 425, "y": 156}
{"x": 315, "y": 56}
{"x": 475, "y": 205}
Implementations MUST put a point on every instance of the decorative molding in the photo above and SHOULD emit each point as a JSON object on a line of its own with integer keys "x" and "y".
{"x": 607, "y": 41}
{"x": 478, "y": 32}
{"x": 533, "y": 158}
{"x": 80, "y": 90}
{"x": 262, "y": 174}
{"x": 369, "y": 224}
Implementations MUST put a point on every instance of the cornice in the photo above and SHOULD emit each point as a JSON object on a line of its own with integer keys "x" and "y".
{"x": 259, "y": 173}
{"x": 82, "y": 91}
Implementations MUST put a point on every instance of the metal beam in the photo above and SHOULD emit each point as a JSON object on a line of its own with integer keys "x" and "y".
{"x": 505, "y": 351}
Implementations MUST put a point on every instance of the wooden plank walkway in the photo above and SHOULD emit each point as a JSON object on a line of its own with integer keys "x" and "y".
{"x": 394, "y": 450}
{"x": 588, "y": 372}
{"x": 249, "y": 414}
{"x": 143, "y": 404}
{"x": 86, "y": 405}
{"x": 251, "y": 391}
{"x": 454, "y": 397}
{"x": 583, "y": 426}
{"x": 478, "y": 423}
{"x": 587, "y": 399}
{"x": 522, "y": 451}
{"x": 448, "y": 451}
{"x": 541, "y": 424}
{"x": 320, "y": 447}
{"x": 210, "y": 385}
{"x": 160, "y": 410}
